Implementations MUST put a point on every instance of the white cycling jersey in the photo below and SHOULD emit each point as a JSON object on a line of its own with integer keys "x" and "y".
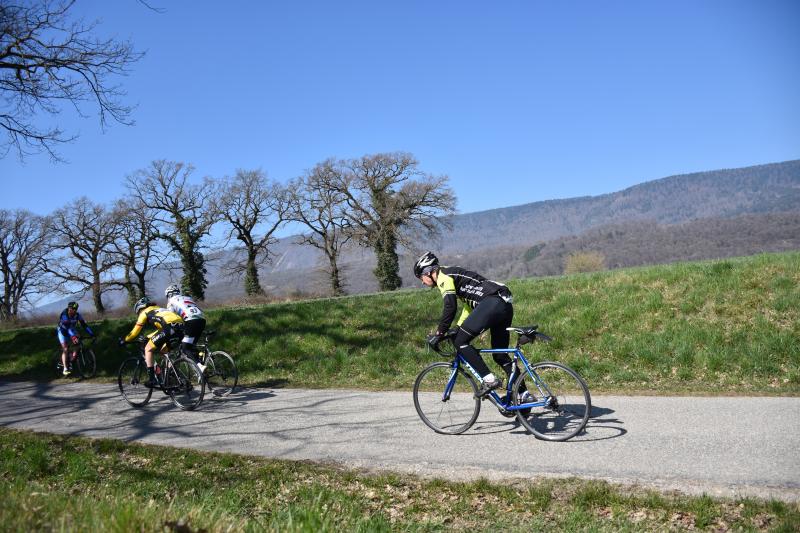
{"x": 185, "y": 307}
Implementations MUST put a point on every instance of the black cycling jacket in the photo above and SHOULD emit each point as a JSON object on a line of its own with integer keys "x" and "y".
{"x": 456, "y": 283}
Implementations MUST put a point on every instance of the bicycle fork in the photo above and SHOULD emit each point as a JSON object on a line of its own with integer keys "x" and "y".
{"x": 454, "y": 374}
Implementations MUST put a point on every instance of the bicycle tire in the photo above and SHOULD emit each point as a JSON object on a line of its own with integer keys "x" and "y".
{"x": 184, "y": 383}
{"x": 87, "y": 363}
{"x": 456, "y": 413}
{"x": 221, "y": 374}
{"x": 568, "y": 402}
{"x": 131, "y": 380}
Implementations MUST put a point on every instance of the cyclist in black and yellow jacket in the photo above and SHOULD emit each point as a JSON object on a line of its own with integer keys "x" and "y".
{"x": 487, "y": 305}
{"x": 168, "y": 332}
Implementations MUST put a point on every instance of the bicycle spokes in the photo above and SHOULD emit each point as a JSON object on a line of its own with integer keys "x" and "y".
{"x": 564, "y": 402}
{"x": 452, "y": 411}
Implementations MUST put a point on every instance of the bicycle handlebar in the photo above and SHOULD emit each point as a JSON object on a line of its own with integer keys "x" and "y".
{"x": 433, "y": 341}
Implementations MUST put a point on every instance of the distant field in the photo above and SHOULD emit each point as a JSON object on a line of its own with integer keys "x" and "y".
{"x": 711, "y": 327}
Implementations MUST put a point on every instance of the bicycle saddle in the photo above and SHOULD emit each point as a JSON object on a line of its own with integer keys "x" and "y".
{"x": 528, "y": 331}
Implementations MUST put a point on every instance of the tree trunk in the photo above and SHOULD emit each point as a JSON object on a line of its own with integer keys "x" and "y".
{"x": 193, "y": 262}
{"x": 97, "y": 296}
{"x": 194, "y": 273}
{"x": 5, "y": 304}
{"x": 333, "y": 272}
{"x": 252, "y": 286}
{"x": 140, "y": 287}
{"x": 387, "y": 270}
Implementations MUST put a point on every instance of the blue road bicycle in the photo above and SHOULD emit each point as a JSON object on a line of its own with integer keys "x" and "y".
{"x": 549, "y": 399}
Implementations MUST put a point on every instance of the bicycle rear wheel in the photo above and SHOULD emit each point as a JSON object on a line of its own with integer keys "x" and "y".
{"x": 184, "y": 383}
{"x": 221, "y": 373}
{"x": 131, "y": 380}
{"x": 566, "y": 403}
{"x": 87, "y": 364}
{"x": 450, "y": 412}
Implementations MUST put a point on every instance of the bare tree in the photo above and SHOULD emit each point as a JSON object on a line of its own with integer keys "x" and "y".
{"x": 321, "y": 208}
{"x": 136, "y": 246}
{"x": 23, "y": 247}
{"x": 184, "y": 213}
{"x": 47, "y": 60}
{"x": 84, "y": 232}
{"x": 254, "y": 207}
{"x": 387, "y": 195}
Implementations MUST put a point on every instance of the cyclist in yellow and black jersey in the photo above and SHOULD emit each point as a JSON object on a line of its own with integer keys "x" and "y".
{"x": 487, "y": 305}
{"x": 168, "y": 332}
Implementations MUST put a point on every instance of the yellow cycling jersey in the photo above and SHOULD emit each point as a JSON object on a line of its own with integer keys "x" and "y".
{"x": 155, "y": 316}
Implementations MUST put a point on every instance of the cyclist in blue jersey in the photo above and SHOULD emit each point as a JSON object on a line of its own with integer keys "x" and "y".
{"x": 487, "y": 304}
{"x": 67, "y": 331}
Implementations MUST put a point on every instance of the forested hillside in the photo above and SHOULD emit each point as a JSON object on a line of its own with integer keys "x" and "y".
{"x": 647, "y": 243}
{"x": 773, "y": 188}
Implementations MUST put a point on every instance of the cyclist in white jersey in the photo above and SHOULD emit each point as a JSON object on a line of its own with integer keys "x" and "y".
{"x": 194, "y": 322}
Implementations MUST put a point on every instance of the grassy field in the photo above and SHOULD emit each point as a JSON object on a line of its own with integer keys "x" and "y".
{"x": 76, "y": 484}
{"x": 712, "y": 327}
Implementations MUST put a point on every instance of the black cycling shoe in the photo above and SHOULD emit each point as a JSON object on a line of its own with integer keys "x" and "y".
{"x": 486, "y": 388}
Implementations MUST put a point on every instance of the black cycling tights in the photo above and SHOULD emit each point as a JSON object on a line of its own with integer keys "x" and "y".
{"x": 494, "y": 314}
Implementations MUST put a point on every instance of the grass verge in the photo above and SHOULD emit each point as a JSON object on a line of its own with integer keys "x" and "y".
{"x": 721, "y": 327}
{"x": 78, "y": 484}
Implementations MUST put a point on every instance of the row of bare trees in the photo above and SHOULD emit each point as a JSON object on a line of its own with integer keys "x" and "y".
{"x": 376, "y": 201}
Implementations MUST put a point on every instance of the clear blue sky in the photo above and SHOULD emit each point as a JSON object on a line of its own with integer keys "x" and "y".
{"x": 517, "y": 101}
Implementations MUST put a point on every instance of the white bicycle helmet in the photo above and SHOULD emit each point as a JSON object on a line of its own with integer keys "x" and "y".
{"x": 172, "y": 290}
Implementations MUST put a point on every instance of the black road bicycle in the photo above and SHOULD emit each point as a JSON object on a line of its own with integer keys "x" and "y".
{"x": 178, "y": 377}
{"x": 80, "y": 359}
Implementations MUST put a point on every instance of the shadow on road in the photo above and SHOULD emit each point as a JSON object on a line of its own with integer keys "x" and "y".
{"x": 601, "y": 426}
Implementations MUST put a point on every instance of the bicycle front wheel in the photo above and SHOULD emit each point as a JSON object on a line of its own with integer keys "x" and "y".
{"x": 447, "y": 403}
{"x": 87, "y": 364}
{"x": 564, "y": 398}
{"x": 221, "y": 373}
{"x": 131, "y": 380}
{"x": 184, "y": 383}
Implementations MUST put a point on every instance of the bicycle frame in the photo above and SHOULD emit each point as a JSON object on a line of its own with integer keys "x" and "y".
{"x": 495, "y": 398}
{"x": 168, "y": 366}
{"x": 73, "y": 349}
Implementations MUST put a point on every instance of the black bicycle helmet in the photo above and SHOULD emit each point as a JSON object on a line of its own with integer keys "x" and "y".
{"x": 72, "y": 305}
{"x": 143, "y": 302}
{"x": 425, "y": 264}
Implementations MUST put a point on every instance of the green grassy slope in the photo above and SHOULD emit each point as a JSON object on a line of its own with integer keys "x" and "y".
{"x": 729, "y": 326}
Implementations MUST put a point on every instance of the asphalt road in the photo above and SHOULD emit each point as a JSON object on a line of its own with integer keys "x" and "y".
{"x": 721, "y": 446}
